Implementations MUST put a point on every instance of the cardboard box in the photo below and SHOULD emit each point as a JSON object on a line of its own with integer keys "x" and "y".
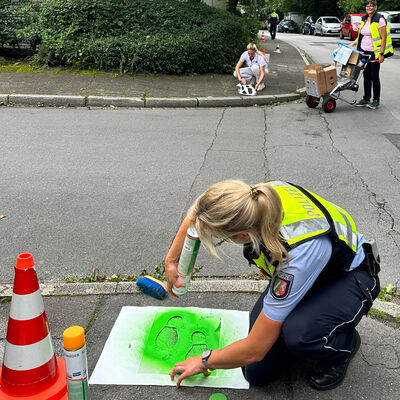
{"x": 354, "y": 58}
{"x": 320, "y": 80}
{"x": 330, "y": 78}
{"x": 315, "y": 72}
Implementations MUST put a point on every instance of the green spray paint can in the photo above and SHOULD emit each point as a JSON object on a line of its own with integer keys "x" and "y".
{"x": 186, "y": 260}
{"x": 76, "y": 363}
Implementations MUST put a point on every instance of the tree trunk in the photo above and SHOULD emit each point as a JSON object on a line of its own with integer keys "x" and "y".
{"x": 232, "y": 5}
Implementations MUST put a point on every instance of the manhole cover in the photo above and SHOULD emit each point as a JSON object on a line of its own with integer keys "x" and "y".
{"x": 393, "y": 138}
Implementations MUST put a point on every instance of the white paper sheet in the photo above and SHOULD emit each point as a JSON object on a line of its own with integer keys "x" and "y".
{"x": 122, "y": 361}
{"x": 343, "y": 54}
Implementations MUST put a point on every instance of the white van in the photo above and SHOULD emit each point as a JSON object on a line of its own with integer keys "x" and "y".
{"x": 393, "y": 19}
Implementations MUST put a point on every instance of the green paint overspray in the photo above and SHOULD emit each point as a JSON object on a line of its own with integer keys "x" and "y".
{"x": 176, "y": 335}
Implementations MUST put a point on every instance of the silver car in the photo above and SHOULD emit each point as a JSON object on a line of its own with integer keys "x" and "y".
{"x": 327, "y": 26}
{"x": 393, "y": 19}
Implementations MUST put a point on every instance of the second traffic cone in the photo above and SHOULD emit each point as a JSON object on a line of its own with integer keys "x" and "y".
{"x": 30, "y": 368}
{"x": 278, "y": 49}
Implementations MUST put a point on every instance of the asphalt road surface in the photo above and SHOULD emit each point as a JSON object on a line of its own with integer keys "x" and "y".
{"x": 108, "y": 188}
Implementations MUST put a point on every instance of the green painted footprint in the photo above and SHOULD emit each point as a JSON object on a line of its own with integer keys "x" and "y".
{"x": 167, "y": 338}
{"x": 199, "y": 341}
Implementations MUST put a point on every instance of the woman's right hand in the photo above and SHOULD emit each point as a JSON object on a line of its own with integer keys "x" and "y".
{"x": 243, "y": 81}
{"x": 172, "y": 257}
{"x": 171, "y": 275}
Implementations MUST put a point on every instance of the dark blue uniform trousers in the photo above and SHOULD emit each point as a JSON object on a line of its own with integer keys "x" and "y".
{"x": 321, "y": 327}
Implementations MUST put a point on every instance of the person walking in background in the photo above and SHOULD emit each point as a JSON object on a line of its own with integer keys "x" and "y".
{"x": 255, "y": 71}
{"x": 323, "y": 279}
{"x": 273, "y": 20}
{"x": 373, "y": 39}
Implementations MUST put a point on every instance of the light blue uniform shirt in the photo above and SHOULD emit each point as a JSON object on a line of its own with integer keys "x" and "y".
{"x": 299, "y": 274}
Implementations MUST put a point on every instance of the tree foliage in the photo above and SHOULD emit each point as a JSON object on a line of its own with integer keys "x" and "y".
{"x": 18, "y": 22}
{"x": 306, "y": 7}
{"x": 318, "y": 7}
{"x": 354, "y": 6}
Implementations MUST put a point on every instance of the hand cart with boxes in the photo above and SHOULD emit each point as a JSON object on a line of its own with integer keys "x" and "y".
{"x": 326, "y": 83}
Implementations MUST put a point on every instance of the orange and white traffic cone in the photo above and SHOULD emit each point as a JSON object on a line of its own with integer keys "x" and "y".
{"x": 30, "y": 368}
{"x": 278, "y": 49}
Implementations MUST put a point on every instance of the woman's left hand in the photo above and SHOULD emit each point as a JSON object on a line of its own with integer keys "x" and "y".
{"x": 381, "y": 59}
{"x": 191, "y": 366}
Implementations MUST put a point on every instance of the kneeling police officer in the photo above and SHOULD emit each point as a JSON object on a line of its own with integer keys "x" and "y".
{"x": 323, "y": 279}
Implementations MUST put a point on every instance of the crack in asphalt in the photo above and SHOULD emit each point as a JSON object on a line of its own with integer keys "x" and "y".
{"x": 380, "y": 206}
{"x": 190, "y": 198}
{"x": 266, "y": 164}
{"x": 377, "y": 346}
{"x": 93, "y": 315}
{"x": 309, "y": 146}
{"x": 392, "y": 173}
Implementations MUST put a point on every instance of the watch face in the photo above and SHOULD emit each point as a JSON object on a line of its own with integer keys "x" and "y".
{"x": 206, "y": 354}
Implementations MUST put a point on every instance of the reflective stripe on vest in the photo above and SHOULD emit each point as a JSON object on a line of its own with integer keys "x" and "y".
{"x": 376, "y": 38}
{"x": 304, "y": 220}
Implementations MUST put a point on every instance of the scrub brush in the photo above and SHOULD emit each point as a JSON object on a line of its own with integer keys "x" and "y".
{"x": 152, "y": 286}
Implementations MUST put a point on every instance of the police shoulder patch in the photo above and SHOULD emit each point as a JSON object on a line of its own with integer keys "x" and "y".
{"x": 281, "y": 285}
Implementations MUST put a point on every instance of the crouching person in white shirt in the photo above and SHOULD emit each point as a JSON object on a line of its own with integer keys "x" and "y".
{"x": 255, "y": 71}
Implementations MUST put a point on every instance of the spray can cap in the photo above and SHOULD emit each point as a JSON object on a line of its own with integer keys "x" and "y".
{"x": 74, "y": 338}
{"x": 193, "y": 233}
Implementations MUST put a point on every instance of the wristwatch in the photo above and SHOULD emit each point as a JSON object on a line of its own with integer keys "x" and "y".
{"x": 204, "y": 358}
{"x": 381, "y": 54}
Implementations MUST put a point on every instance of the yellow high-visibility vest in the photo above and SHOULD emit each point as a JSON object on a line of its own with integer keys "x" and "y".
{"x": 307, "y": 216}
{"x": 376, "y": 37}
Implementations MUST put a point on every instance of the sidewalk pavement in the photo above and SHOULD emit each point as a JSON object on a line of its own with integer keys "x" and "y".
{"x": 62, "y": 87}
{"x": 373, "y": 373}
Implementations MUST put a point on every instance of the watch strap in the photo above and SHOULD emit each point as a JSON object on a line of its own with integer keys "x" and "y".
{"x": 205, "y": 362}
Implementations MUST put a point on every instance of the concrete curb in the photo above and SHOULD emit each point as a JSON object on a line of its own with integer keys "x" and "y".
{"x": 102, "y": 101}
{"x": 171, "y": 102}
{"x": 46, "y": 100}
{"x": 199, "y": 286}
{"x": 178, "y": 102}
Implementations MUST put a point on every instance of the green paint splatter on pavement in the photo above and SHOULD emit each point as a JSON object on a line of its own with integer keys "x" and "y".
{"x": 176, "y": 335}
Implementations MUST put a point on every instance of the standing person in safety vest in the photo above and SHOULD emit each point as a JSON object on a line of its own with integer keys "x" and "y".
{"x": 255, "y": 70}
{"x": 373, "y": 39}
{"x": 323, "y": 279}
{"x": 273, "y": 20}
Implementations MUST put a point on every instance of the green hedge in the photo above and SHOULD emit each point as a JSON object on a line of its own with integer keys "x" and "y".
{"x": 141, "y": 35}
{"x": 7, "y": 30}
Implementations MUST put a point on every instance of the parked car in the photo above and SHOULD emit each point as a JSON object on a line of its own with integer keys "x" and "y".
{"x": 350, "y": 26}
{"x": 308, "y": 25}
{"x": 327, "y": 26}
{"x": 393, "y": 19}
{"x": 287, "y": 25}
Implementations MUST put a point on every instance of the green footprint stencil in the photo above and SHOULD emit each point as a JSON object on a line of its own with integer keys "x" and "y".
{"x": 176, "y": 335}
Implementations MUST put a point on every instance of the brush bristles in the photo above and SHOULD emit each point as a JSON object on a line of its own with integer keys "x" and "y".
{"x": 152, "y": 287}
